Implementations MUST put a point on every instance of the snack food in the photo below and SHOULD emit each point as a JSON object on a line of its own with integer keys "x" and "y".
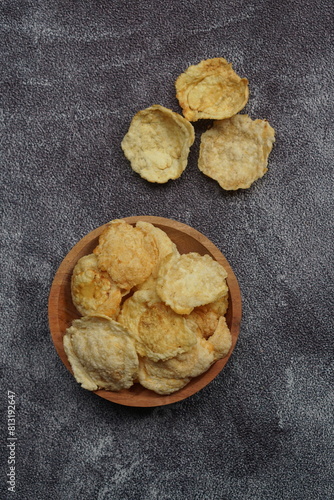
{"x": 211, "y": 90}
{"x": 164, "y": 244}
{"x": 190, "y": 280}
{"x": 169, "y": 326}
{"x": 101, "y": 353}
{"x": 207, "y": 316}
{"x": 93, "y": 291}
{"x": 127, "y": 253}
{"x": 157, "y": 143}
{"x": 165, "y": 377}
{"x": 235, "y": 151}
{"x": 160, "y": 333}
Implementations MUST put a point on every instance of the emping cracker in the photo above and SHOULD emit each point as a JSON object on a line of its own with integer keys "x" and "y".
{"x": 160, "y": 333}
{"x": 211, "y": 90}
{"x": 235, "y": 151}
{"x": 157, "y": 143}
{"x": 93, "y": 291}
{"x": 127, "y": 253}
{"x": 190, "y": 280}
{"x": 150, "y": 314}
{"x": 207, "y": 316}
{"x": 168, "y": 376}
{"x": 101, "y": 353}
{"x": 163, "y": 243}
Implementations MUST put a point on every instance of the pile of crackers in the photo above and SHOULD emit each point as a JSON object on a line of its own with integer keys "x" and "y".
{"x": 234, "y": 151}
{"x": 149, "y": 314}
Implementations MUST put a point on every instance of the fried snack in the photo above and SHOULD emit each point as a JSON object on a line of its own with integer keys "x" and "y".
{"x": 190, "y": 280}
{"x": 221, "y": 340}
{"x": 166, "y": 377}
{"x": 160, "y": 333}
{"x": 207, "y": 317}
{"x": 127, "y": 253}
{"x": 101, "y": 353}
{"x": 211, "y": 90}
{"x": 157, "y": 143}
{"x": 156, "y": 382}
{"x": 93, "y": 291}
{"x": 235, "y": 151}
{"x": 149, "y": 284}
{"x": 163, "y": 242}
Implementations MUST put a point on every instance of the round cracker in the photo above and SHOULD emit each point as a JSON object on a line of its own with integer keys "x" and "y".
{"x": 127, "y": 253}
{"x": 168, "y": 376}
{"x": 93, "y": 291}
{"x": 163, "y": 242}
{"x": 157, "y": 143}
{"x": 221, "y": 340}
{"x": 160, "y": 385}
{"x": 160, "y": 333}
{"x": 235, "y": 151}
{"x": 211, "y": 90}
{"x": 207, "y": 316}
{"x": 134, "y": 306}
{"x": 190, "y": 280}
{"x": 101, "y": 353}
{"x": 148, "y": 284}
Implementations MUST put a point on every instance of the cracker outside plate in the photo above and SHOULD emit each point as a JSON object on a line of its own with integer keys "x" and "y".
{"x": 61, "y": 310}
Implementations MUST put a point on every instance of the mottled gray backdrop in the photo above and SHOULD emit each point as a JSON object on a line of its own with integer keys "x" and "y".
{"x": 73, "y": 75}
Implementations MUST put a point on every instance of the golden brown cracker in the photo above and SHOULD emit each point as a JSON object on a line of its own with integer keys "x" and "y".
{"x": 211, "y": 90}
{"x": 235, "y": 151}
{"x": 101, "y": 353}
{"x": 168, "y": 376}
{"x": 160, "y": 333}
{"x": 93, "y": 291}
{"x": 157, "y": 143}
{"x": 190, "y": 280}
{"x": 207, "y": 316}
{"x": 126, "y": 253}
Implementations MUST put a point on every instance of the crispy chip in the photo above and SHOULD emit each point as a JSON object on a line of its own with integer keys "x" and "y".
{"x": 101, "y": 353}
{"x": 235, "y": 151}
{"x": 219, "y": 306}
{"x": 160, "y": 333}
{"x": 163, "y": 242}
{"x": 221, "y": 340}
{"x": 93, "y": 291}
{"x": 157, "y": 143}
{"x": 149, "y": 284}
{"x": 207, "y": 317}
{"x": 211, "y": 90}
{"x": 160, "y": 385}
{"x": 134, "y": 306}
{"x": 190, "y": 280}
{"x": 168, "y": 376}
{"x": 127, "y": 253}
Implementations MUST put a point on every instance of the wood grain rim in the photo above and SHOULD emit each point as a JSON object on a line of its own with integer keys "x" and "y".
{"x": 61, "y": 310}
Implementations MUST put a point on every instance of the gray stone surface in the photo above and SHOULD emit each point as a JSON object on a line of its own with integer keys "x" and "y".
{"x": 74, "y": 73}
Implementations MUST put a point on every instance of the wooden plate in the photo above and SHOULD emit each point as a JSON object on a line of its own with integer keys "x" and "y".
{"x": 62, "y": 310}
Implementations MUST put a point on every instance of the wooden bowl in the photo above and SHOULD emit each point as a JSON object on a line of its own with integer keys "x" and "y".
{"x": 62, "y": 311}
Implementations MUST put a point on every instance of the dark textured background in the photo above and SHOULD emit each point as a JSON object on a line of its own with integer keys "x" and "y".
{"x": 74, "y": 74}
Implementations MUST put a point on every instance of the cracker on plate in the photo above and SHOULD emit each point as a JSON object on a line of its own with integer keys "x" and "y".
{"x": 127, "y": 253}
{"x": 160, "y": 333}
{"x": 157, "y": 143}
{"x": 207, "y": 316}
{"x": 101, "y": 353}
{"x": 235, "y": 151}
{"x": 163, "y": 242}
{"x": 93, "y": 291}
{"x": 190, "y": 280}
{"x": 211, "y": 90}
{"x": 168, "y": 376}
